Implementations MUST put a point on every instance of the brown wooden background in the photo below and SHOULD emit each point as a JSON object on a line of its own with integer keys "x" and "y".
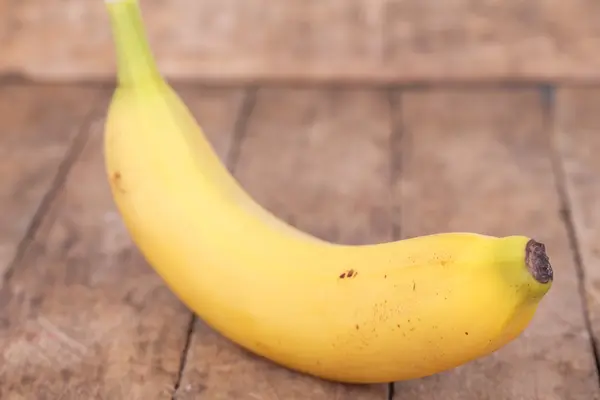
{"x": 526, "y": 149}
{"x": 363, "y": 40}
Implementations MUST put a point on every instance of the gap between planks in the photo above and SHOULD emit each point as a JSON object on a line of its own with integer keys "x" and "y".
{"x": 76, "y": 146}
{"x": 231, "y": 157}
{"x": 394, "y": 86}
{"x": 81, "y": 137}
{"x": 461, "y": 111}
{"x": 548, "y": 98}
{"x": 300, "y": 110}
{"x": 328, "y": 80}
{"x": 396, "y": 128}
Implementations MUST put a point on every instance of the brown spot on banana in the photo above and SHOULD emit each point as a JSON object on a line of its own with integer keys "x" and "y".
{"x": 116, "y": 181}
{"x": 349, "y": 274}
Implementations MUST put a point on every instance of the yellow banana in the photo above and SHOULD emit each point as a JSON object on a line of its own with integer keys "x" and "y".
{"x": 363, "y": 314}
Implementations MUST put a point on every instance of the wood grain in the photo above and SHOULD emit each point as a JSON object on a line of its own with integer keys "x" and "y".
{"x": 489, "y": 39}
{"x": 83, "y": 316}
{"x": 209, "y": 39}
{"x": 6, "y": 33}
{"x": 349, "y": 40}
{"x": 76, "y": 36}
{"x": 480, "y": 161}
{"x": 320, "y": 160}
{"x": 37, "y": 130}
{"x": 577, "y": 138}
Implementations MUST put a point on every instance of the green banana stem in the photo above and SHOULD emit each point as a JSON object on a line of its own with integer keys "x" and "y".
{"x": 135, "y": 62}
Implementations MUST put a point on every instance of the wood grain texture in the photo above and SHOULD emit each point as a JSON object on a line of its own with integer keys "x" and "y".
{"x": 480, "y": 160}
{"x": 37, "y": 129}
{"x": 76, "y": 38}
{"x": 209, "y": 39}
{"x": 6, "y": 33}
{"x": 577, "y": 140}
{"x": 490, "y": 39}
{"x": 367, "y": 40}
{"x": 320, "y": 160}
{"x": 83, "y": 316}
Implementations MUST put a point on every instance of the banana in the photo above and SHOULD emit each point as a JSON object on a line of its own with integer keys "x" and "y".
{"x": 360, "y": 314}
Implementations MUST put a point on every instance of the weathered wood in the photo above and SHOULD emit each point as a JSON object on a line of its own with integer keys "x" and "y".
{"x": 577, "y": 135}
{"x": 320, "y": 160}
{"x": 210, "y": 39}
{"x": 489, "y": 39}
{"x": 480, "y": 161}
{"x": 375, "y": 40}
{"x": 83, "y": 316}
{"x": 6, "y": 33}
{"x": 37, "y": 129}
{"x": 217, "y": 111}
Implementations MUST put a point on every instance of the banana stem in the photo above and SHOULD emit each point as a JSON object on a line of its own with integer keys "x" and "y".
{"x": 135, "y": 63}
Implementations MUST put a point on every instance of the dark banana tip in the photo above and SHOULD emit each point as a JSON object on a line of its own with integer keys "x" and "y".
{"x": 538, "y": 262}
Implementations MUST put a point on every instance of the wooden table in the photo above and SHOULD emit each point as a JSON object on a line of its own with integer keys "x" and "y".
{"x": 83, "y": 316}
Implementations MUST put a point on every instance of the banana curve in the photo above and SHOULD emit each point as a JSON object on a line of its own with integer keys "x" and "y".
{"x": 371, "y": 313}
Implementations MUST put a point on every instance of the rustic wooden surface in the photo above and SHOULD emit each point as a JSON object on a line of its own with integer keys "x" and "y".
{"x": 480, "y": 160}
{"x": 321, "y": 130}
{"x": 391, "y": 40}
{"x": 577, "y": 135}
{"x": 36, "y": 138}
{"x": 83, "y": 316}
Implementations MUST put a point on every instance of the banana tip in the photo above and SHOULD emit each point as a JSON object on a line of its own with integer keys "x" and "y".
{"x": 538, "y": 262}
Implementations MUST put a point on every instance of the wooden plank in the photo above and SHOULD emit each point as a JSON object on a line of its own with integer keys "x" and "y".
{"x": 480, "y": 161}
{"x": 347, "y": 40}
{"x": 83, "y": 315}
{"x": 6, "y": 31}
{"x": 318, "y": 159}
{"x": 37, "y": 130}
{"x": 77, "y": 39}
{"x": 487, "y": 40}
{"x": 211, "y": 39}
{"x": 577, "y": 135}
